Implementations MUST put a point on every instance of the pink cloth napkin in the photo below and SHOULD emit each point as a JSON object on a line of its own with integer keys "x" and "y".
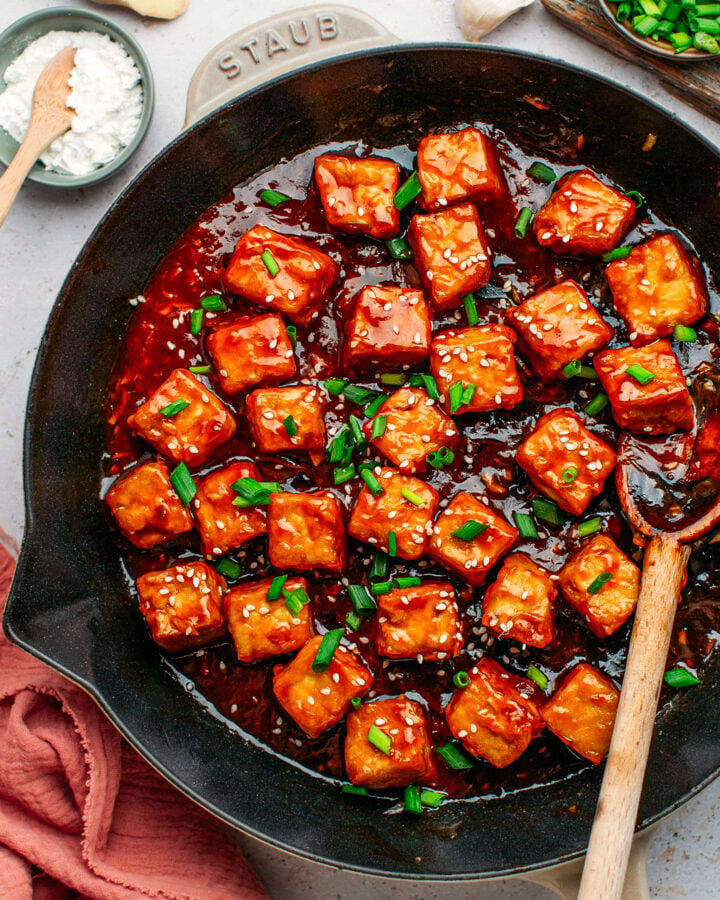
{"x": 82, "y": 813}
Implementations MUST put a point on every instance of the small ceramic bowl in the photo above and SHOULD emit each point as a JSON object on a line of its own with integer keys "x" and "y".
{"x": 655, "y": 48}
{"x": 23, "y": 32}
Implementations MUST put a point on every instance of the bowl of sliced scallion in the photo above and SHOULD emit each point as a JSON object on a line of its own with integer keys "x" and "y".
{"x": 685, "y": 30}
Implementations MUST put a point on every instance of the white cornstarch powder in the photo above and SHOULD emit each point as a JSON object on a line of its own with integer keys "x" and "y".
{"x": 105, "y": 93}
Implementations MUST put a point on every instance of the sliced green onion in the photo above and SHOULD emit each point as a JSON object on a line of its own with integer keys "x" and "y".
{"x": 597, "y": 404}
{"x": 541, "y": 172}
{"x": 360, "y": 396}
{"x": 570, "y": 474}
{"x": 617, "y": 253}
{"x": 341, "y": 474}
{"x": 623, "y": 11}
{"x": 393, "y": 379}
{"x": 378, "y": 427}
{"x": 292, "y": 334}
{"x": 433, "y": 799}
{"x": 353, "y": 788}
{"x": 172, "y": 409}
{"x": 357, "y": 431}
{"x": 546, "y": 511}
{"x": 428, "y": 383}
{"x": 256, "y": 493}
{"x": 182, "y": 481}
{"x": 399, "y": 248}
{"x": 523, "y": 220}
{"x": 646, "y": 25}
{"x": 276, "y": 587}
{"x": 412, "y": 497}
{"x": 471, "y": 310}
{"x": 200, "y": 370}
{"x": 680, "y": 41}
{"x": 341, "y": 446}
{"x": 438, "y": 459}
{"x": 229, "y": 568}
{"x": 455, "y": 395}
{"x": 353, "y": 622}
{"x": 214, "y": 303}
{"x": 299, "y": 593}
{"x": 589, "y": 526}
{"x": 685, "y": 334}
{"x": 453, "y": 757}
{"x": 196, "y": 321}
{"x": 407, "y": 192}
{"x": 362, "y": 602}
{"x": 372, "y": 408}
{"x": 273, "y": 198}
{"x": 525, "y": 525}
{"x": 680, "y": 678}
{"x": 407, "y": 581}
{"x": 328, "y": 645}
{"x": 293, "y": 603}
{"x": 380, "y": 740}
{"x": 270, "y": 263}
{"x": 374, "y": 486}
{"x": 290, "y": 426}
{"x": 705, "y": 42}
{"x": 380, "y": 566}
{"x": 599, "y": 582}
{"x": 381, "y": 587}
{"x": 461, "y": 679}
{"x": 356, "y": 702}
{"x": 470, "y": 530}
{"x": 334, "y": 386}
{"x": 392, "y": 543}
{"x": 539, "y": 677}
{"x": 412, "y": 802}
{"x": 639, "y": 373}
{"x": 572, "y": 368}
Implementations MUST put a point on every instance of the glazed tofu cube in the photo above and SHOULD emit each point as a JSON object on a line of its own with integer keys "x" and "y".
{"x": 451, "y": 254}
{"x": 410, "y": 757}
{"x": 374, "y": 519}
{"x": 306, "y": 531}
{"x": 146, "y": 506}
{"x": 583, "y": 215}
{"x": 658, "y": 286}
{"x": 182, "y": 605}
{"x": 495, "y": 716}
{"x": 252, "y": 351}
{"x": 661, "y": 405}
{"x": 414, "y": 427}
{"x": 260, "y": 627}
{"x": 419, "y": 620}
{"x": 607, "y": 606}
{"x": 456, "y": 167}
{"x": 566, "y": 461}
{"x": 287, "y": 418}
{"x": 582, "y": 712}
{"x": 390, "y": 326}
{"x": 481, "y": 357}
{"x": 223, "y": 526}
{"x": 470, "y": 557}
{"x": 357, "y": 194}
{"x": 519, "y": 604}
{"x": 299, "y": 287}
{"x": 318, "y": 700}
{"x": 557, "y": 326}
{"x": 191, "y": 434}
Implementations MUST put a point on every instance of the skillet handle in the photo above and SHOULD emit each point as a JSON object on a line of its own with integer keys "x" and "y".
{"x": 276, "y": 46}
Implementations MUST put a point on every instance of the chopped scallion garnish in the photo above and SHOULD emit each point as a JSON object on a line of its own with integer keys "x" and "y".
{"x": 636, "y": 197}
{"x": 460, "y": 395}
{"x": 412, "y": 800}
{"x": 378, "y": 427}
{"x": 536, "y": 675}
{"x": 276, "y": 587}
{"x": 381, "y": 587}
{"x": 525, "y": 525}
{"x": 392, "y": 543}
{"x": 523, "y": 220}
{"x": 685, "y": 334}
{"x": 328, "y": 645}
{"x": 353, "y": 621}
{"x": 599, "y": 582}
{"x": 334, "y": 386}
{"x": 290, "y": 426}
{"x": 362, "y": 602}
{"x": 453, "y": 757}
{"x": 380, "y": 566}
{"x": 374, "y": 486}
{"x": 407, "y": 192}
{"x": 196, "y": 321}
{"x": 570, "y": 474}
{"x": 356, "y": 702}
{"x": 412, "y": 497}
{"x": 172, "y": 409}
{"x": 341, "y": 446}
{"x": 577, "y": 369}
{"x": 354, "y": 789}
{"x": 200, "y": 370}
{"x": 547, "y": 511}
{"x": 399, "y": 248}
{"x": 292, "y": 334}
{"x": 228, "y": 568}
{"x": 294, "y": 604}
{"x": 406, "y": 581}
{"x": 470, "y": 530}
{"x": 360, "y": 396}
{"x": 273, "y": 198}
{"x": 380, "y": 740}
{"x": 542, "y": 172}
{"x": 471, "y": 312}
{"x": 356, "y": 429}
{"x": 214, "y": 303}
{"x": 341, "y": 474}
{"x": 438, "y": 459}
{"x": 680, "y": 678}
{"x": 256, "y": 493}
{"x": 639, "y": 373}
{"x": 428, "y": 383}
{"x": 617, "y": 253}
{"x": 270, "y": 263}
{"x": 461, "y": 679}
{"x": 182, "y": 481}
{"x": 299, "y": 595}
{"x": 372, "y": 408}
{"x": 589, "y": 526}
{"x": 432, "y": 799}
{"x": 393, "y": 379}
{"x": 597, "y": 404}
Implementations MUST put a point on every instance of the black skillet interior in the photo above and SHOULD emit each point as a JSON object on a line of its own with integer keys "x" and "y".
{"x": 70, "y": 603}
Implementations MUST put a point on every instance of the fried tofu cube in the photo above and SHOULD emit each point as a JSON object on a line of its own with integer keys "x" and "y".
{"x": 318, "y": 700}
{"x": 557, "y": 326}
{"x": 419, "y": 620}
{"x": 306, "y": 531}
{"x": 287, "y": 418}
{"x": 374, "y": 519}
{"x": 495, "y": 716}
{"x": 414, "y": 427}
{"x": 357, "y": 194}
{"x": 191, "y": 434}
{"x": 260, "y": 627}
{"x": 658, "y": 286}
{"x": 582, "y": 712}
{"x": 660, "y": 406}
{"x": 456, "y": 167}
{"x": 451, "y": 254}
{"x": 251, "y": 351}
{"x": 299, "y": 287}
{"x": 471, "y": 558}
{"x": 223, "y": 526}
{"x": 604, "y": 609}
{"x": 147, "y": 507}
{"x": 519, "y": 604}
{"x": 182, "y": 605}
{"x": 410, "y": 758}
{"x": 389, "y": 326}
{"x": 481, "y": 356}
{"x": 584, "y": 215}
{"x": 566, "y": 461}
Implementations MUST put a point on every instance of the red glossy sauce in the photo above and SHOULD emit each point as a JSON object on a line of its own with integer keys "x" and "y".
{"x": 158, "y": 341}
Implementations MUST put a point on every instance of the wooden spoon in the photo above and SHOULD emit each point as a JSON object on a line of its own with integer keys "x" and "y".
{"x": 666, "y": 555}
{"x": 158, "y": 9}
{"x": 49, "y": 119}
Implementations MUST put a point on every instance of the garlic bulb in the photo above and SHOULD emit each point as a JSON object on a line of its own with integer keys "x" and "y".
{"x": 478, "y": 17}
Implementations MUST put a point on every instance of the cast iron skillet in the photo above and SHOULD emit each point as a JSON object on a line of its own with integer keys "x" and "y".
{"x": 70, "y": 603}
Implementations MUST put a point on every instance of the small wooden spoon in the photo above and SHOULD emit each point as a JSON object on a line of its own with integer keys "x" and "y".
{"x": 50, "y": 118}
{"x": 158, "y": 9}
{"x": 666, "y": 555}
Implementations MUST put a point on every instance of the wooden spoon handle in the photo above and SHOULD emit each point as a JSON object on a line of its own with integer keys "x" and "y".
{"x": 36, "y": 142}
{"x": 616, "y": 814}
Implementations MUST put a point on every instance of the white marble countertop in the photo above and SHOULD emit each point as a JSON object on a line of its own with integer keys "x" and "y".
{"x": 46, "y": 230}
